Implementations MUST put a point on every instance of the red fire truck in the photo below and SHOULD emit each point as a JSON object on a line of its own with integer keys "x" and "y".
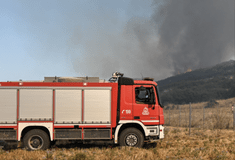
{"x": 125, "y": 111}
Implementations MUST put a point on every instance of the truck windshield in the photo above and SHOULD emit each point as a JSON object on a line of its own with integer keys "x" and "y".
{"x": 159, "y": 97}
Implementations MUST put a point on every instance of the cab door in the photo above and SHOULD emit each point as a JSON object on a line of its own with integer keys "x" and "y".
{"x": 126, "y": 102}
{"x": 144, "y": 109}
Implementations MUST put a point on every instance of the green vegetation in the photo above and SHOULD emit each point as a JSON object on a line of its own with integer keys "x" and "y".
{"x": 200, "y": 85}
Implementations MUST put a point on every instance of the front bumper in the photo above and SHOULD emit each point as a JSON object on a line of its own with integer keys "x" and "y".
{"x": 152, "y": 139}
{"x": 155, "y": 132}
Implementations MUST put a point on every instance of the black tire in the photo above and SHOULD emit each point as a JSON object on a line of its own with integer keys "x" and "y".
{"x": 53, "y": 143}
{"x": 36, "y": 139}
{"x": 132, "y": 137}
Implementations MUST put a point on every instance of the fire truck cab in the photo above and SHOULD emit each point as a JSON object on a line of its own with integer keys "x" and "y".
{"x": 140, "y": 110}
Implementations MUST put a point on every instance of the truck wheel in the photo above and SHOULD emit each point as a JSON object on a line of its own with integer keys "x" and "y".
{"x": 36, "y": 139}
{"x": 132, "y": 137}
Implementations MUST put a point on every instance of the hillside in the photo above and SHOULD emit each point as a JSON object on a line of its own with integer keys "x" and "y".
{"x": 217, "y": 82}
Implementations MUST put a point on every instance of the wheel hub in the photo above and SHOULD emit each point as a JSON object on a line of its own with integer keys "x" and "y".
{"x": 35, "y": 142}
{"x": 131, "y": 140}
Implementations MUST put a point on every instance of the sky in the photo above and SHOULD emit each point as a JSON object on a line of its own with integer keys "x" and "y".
{"x": 77, "y": 38}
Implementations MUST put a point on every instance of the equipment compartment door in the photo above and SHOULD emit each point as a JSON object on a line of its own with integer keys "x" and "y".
{"x": 97, "y": 106}
{"x": 8, "y": 103}
{"x": 36, "y": 104}
{"x": 68, "y": 105}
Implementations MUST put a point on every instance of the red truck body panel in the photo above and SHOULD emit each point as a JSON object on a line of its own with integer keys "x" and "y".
{"x": 123, "y": 107}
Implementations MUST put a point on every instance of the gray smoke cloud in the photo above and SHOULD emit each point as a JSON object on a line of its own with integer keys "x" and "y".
{"x": 196, "y": 33}
{"x": 179, "y": 35}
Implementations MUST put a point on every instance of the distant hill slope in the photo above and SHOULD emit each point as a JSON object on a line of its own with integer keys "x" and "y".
{"x": 217, "y": 82}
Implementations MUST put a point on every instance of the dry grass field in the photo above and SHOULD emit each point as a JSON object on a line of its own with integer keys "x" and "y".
{"x": 216, "y": 141}
{"x": 220, "y": 116}
{"x": 201, "y": 144}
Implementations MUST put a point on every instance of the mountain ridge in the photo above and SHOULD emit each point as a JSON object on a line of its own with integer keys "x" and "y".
{"x": 202, "y": 73}
{"x": 216, "y": 82}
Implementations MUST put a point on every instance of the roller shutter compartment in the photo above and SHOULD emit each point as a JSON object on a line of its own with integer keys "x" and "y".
{"x": 97, "y": 106}
{"x": 36, "y": 104}
{"x": 68, "y": 106}
{"x": 8, "y": 105}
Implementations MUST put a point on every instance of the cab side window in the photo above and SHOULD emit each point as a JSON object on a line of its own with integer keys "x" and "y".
{"x": 143, "y": 96}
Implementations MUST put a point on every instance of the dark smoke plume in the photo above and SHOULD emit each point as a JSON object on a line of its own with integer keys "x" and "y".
{"x": 181, "y": 34}
{"x": 196, "y": 33}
